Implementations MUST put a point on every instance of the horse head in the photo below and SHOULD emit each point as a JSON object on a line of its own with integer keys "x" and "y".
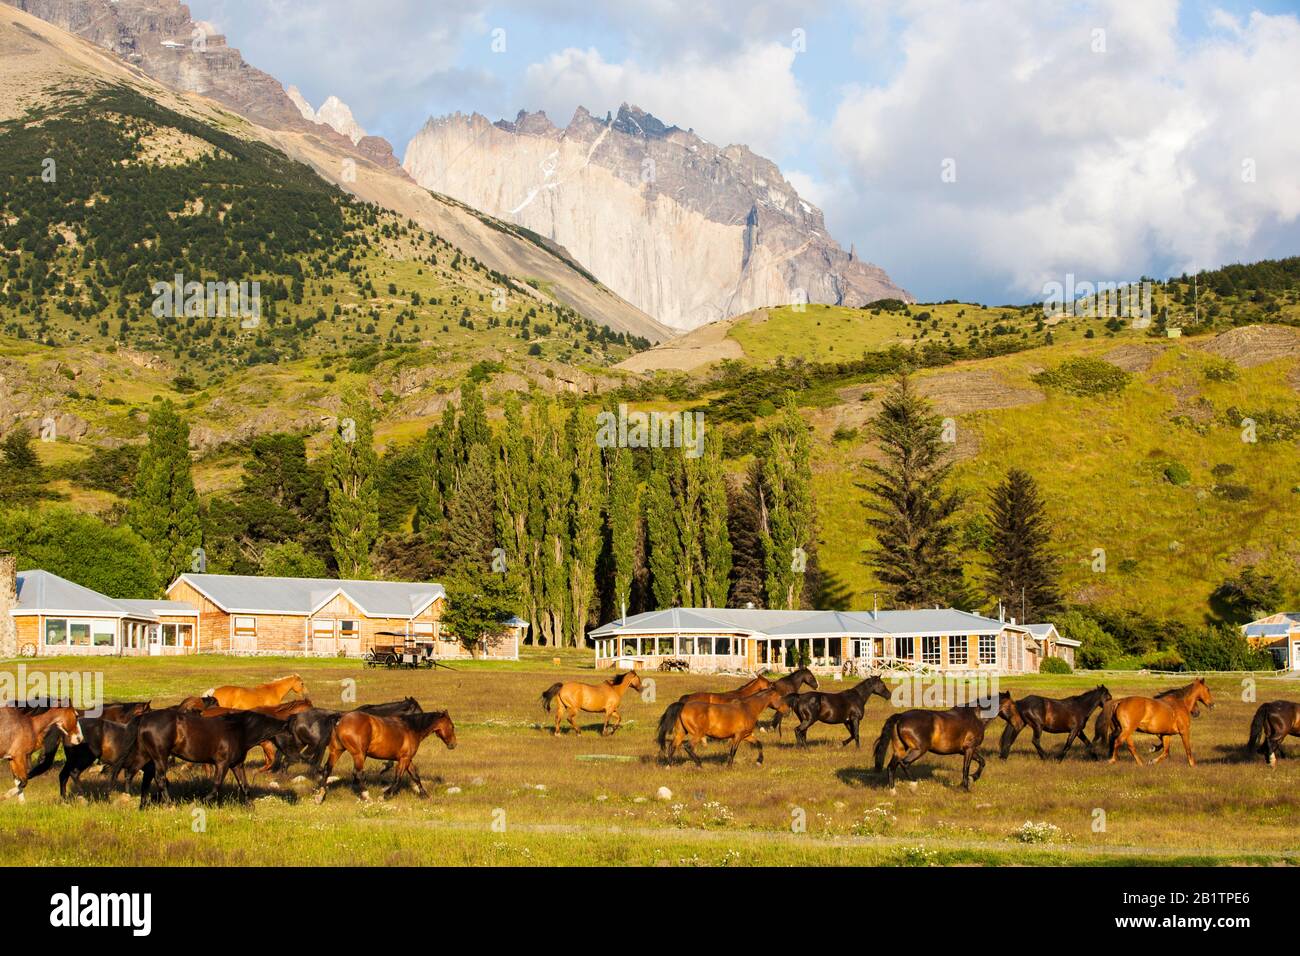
{"x": 68, "y": 724}
{"x": 445, "y": 729}
{"x": 1103, "y": 693}
{"x": 296, "y": 684}
{"x": 807, "y": 677}
{"x": 874, "y": 685}
{"x": 1201, "y": 694}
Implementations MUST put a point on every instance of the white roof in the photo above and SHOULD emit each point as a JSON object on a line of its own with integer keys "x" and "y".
{"x": 40, "y": 592}
{"x": 765, "y": 623}
{"x": 252, "y": 594}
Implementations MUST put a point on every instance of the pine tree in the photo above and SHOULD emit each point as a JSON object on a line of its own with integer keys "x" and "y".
{"x": 666, "y": 555}
{"x": 787, "y": 512}
{"x": 585, "y": 518}
{"x": 748, "y": 576}
{"x": 623, "y": 510}
{"x": 165, "y": 508}
{"x": 471, "y": 519}
{"x": 352, "y": 489}
{"x": 715, "y": 536}
{"x": 1022, "y": 571}
{"x": 513, "y": 488}
{"x": 912, "y": 513}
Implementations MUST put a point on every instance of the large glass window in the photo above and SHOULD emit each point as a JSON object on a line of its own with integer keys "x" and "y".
{"x": 904, "y": 648}
{"x": 988, "y": 648}
{"x": 930, "y": 650}
{"x": 958, "y": 649}
{"x": 103, "y": 633}
{"x": 56, "y": 632}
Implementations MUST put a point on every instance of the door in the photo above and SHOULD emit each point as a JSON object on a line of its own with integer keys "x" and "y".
{"x": 1295, "y": 656}
{"x": 155, "y": 641}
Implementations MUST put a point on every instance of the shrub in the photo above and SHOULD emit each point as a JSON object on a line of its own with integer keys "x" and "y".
{"x": 1221, "y": 648}
{"x": 1220, "y": 370}
{"x": 1231, "y": 492}
{"x": 1055, "y": 665}
{"x": 1084, "y": 376}
{"x": 1163, "y": 661}
{"x": 1176, "y": 473}
{"x": 1098, "y": 646}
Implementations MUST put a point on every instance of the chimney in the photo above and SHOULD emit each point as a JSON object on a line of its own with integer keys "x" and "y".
{"x": 8, "y": 600}
{"x": 1002, "y": 613}
{"x": 875, "y": 606}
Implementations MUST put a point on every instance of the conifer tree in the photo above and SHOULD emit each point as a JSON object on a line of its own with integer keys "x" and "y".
{"x": 1022, "y": 572}
{"x": 164, "y": 510}
{"x": 912, "y": 512}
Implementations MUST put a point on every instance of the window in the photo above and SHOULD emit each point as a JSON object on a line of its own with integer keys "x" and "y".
{"x": 79, "y": 633}
{"x": 56, "y": 632}
{"x": 185, "y": 635}
{"x": 423, "y": 630}
{"x": 349, "y": 630}
{"x": 722, "y": 645}
{"x": 904, "y": 648}
{"x": 322, "y": 628}
{"x": 704, "y": 645}
{"x": 930, "y": 650}
{"x": 988, "y": 648}
{"x": 245, "y": 627}
{"x": 687, "y": 645}
{"x": 958, "y": 649}
{"x": 103, "y": 633}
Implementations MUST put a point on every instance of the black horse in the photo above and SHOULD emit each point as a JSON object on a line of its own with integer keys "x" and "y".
{"x": 1272, "y": 724}
{"x": 221, "y": 742}
{"x": 107, "y": 730}
{"x": 311, "y": 729}
{"x": 845, "y": 707}
{"x": 1068, "y": 716}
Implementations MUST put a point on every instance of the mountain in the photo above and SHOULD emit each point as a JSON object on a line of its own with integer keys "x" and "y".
{"x": 688, "y": 232}
{"x": 333, "y": 113}
{"x": 158, "y": 40}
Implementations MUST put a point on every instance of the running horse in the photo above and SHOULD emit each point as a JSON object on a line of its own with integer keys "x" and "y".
{"x": 592, "y": 698}
{"x": 846, "y": 707}
{"x": 909, "y": 736}
{"x": 22, "y": 731}
{"x": 396, "y": 739}
{"x": 1055, "y": 716}
{"x": 695, "y": 721}
{"x": 263, "y": 695}
{"x": 791, "y": 683}
{"x": 221, "y": 742}
{"x": 270, "y": 748}
{"x": 1273, "y": 723}
{"x": 1164, "y": 716}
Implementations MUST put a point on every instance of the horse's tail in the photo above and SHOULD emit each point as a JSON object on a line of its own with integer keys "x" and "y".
{"x": 549, "y": 694}
{"x": 210, "y": 692}
{"x": 1101, "y": 730}
{"x": 789, "y": 700}
{"x": 1257, "y": 729}
{"x": 884, "y": 740}
{"x": 667, "y": 722}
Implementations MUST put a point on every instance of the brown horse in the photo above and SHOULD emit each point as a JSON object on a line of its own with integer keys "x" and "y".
{"x": 1163, "y": 716}
{"x": 196, "y": 704}
{"x": 222, "y": 742}
{"x": 1273, "y": 723}
{"x": 22, "y": 732}
{"x": 389, "y": 738}
{"x": 909, "y": 736}
{"x": 592, "y": 698}
{"x": 695, "y": 721}
{"x": 279, "y": 712}
{"x": 846, "y": 707}
{"x": 263, "y": 695}
{"x": 791, "y": 683}
{"x": 1055, "y": 716}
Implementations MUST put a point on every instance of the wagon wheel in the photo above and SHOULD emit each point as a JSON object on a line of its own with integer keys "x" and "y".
{"x": 27, "y": 650}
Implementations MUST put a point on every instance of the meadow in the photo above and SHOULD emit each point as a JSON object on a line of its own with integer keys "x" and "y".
{"x": 511, "y": 794}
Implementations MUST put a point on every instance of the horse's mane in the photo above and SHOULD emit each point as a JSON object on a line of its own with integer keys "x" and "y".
{"x": 618, "y": 679}
{"x": 1177, "y": 691}
{"x": 422, "y": 720}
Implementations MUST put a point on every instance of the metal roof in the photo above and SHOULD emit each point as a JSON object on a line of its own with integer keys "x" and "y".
{"x": 46, "y": 593}
{"x": 804, "y": 623}
{"x": 1267, "y": 630}
{"x": 252, "y": 594}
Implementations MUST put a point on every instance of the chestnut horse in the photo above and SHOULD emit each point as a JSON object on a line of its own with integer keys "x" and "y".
{"x": 791, "y": 683}
{"x": 909, "y": 736}
{"x": 846, "y": 707}
{"x": 263, "y": 695}
{"x": 1055, "y": 716}
{"x": 223, "y": 742}
{"x": 592, "y": 698}
{"x": 280, "y": 712}
{"x": 1273, "y": 723}
{"x": 1163, "y": 716}
{"x": 389, "y": 738}
{"x": 695, "y": 721}
{"x": 22, "y": 732}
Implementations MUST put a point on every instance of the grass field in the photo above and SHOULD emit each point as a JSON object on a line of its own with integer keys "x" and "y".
{"x": 511, "y": 794}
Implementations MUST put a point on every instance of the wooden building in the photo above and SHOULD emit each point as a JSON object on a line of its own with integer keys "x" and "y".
{"x": 1279, "y": 634}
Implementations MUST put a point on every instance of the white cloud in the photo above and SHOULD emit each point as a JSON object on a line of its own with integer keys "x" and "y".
{"x": 1105, "y": 164}
{"x": 748, "y": 97}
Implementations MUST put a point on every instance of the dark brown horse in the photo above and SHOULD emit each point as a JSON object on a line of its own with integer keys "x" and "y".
{"x": 312, "y": 729}
{"x": 280, "y": 712}
{"x": 22, "y": 731}
{"x": 221, "y": 742}
{"x": 909, "y": 736}
{"x": 846, "y": 707}
{"x": 1055, "y": 716}
{"x": 388, "y": 738}
{"x": 695, "y": 721}
{"x": 1164, "y": 716}
{"x": 1273, "y": 723}
{"x": 105, "y": 740}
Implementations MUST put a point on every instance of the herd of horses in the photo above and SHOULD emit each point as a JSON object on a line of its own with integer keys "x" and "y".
{"x": 906, "y": 736}
{"x": 220, "y": 727}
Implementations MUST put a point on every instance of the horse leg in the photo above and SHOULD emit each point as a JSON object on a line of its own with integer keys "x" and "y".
{"x": 1186, "y": 734}
{"x": 1076, "y": 732}
{"x": 559, "y": 714}
{"x": 979, "y": 759}
{"x": 18, "y": 765}
{"x": 1127, "y": 738}
{"x": 801, "y": 730}
{"x": 219, "y": 771}
{"x": 358, "y": 775}
{"x": 890, "y": 770}
{"x": 909, "y": 758}
{"x": 146, "y": 778}
{"x": 419, "y": 784}
{"x": 966, "y": 757}
{"x": 686, "y": 742}
{"x": 1163, "y": 747}
{"x": 852, "y": 725}
{"x": 731, "y": 757}
{"x": 573, "y": 720}
{"x": 1008, "y": 738}
{"x": 753, "y": 739}
{"x": 241, "y": 778}
{"x": 1038, "y": 741}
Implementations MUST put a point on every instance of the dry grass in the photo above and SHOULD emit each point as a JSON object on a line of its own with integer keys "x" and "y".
{"x": 511, "y": 793}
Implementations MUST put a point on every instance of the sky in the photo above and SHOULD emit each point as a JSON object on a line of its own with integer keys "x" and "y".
{"x": 977, "y": 150}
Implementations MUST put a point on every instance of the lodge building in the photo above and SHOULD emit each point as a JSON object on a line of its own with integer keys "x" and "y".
{"x": 749, "y": 639}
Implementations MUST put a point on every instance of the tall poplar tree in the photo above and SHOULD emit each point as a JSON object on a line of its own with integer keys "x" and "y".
{"x": 1022, "y": 572}
{"x": 585, "y": 517}
{"x": 787, "y": 509}
{"x": 164, "y": 510}
{"x": 715, "y": 535}
{"x": 514, "y": 488}
{"x": 911, "y": 510}
{"x": 623, "y": 511}
{"x": 353, "y": 492}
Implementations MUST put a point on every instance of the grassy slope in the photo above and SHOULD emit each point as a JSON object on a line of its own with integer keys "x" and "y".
{"x": 565, "y": 802}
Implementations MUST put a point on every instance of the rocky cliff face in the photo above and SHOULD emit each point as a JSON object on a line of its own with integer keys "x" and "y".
{"x": 160, "y": 38}
{"x": 685, "y": 230}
